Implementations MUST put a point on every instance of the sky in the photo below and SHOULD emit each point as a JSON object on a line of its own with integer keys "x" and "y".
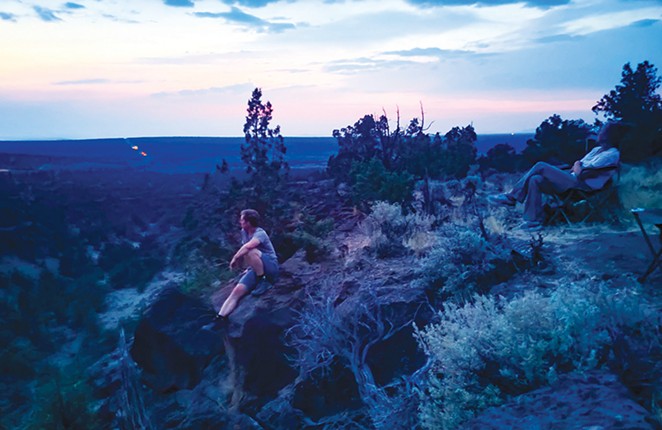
{"x": 127, "y": 68}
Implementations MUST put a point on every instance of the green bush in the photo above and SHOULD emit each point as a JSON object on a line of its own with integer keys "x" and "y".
{"x": 370, "y": 182}
{"x": 63, "y": 400}
{"x": 391, "y": 233}
{"x": 310, "y": 234}
{"x": 462, "y": 262}
{"x": 458, "y": 156}
{"x": 485, "y": 351}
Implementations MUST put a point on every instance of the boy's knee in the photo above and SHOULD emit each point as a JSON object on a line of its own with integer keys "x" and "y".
{"x": 253, "y": 253}
{"x": 239, "y": 290}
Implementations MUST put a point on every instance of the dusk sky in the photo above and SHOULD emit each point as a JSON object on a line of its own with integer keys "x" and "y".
{"x": 120, "y": 68}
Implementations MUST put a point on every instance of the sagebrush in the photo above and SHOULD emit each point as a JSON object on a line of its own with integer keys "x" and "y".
{"x": 488, "y": 350}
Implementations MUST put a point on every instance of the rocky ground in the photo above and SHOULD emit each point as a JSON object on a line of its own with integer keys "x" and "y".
{"x": 170, "y": 373}
{"x": 250, "y": 375}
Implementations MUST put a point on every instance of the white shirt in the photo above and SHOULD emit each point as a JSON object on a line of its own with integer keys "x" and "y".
{"x": 598, "y": 158}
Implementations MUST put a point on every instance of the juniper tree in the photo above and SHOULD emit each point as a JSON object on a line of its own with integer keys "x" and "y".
{"x": 636, "y": 102}
{"x": 263, "y": 150}
{"x": 558, "y": 141}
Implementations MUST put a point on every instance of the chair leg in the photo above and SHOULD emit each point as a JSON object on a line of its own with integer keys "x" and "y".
{"x": 592, "y": 210}
{"x": 560, "y": 206}
{"x": 651, "y": 268}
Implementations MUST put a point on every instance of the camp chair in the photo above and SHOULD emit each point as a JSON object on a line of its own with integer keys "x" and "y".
{"x": 650, "y": 216}
{"x": 567, "y": 205}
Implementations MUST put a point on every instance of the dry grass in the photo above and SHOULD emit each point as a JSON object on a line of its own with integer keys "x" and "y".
{"x": 641, "y": 186}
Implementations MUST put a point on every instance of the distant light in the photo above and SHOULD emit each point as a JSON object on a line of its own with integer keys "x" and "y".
{"x": 135, "y": 148}
{"x": 143, "y": 153}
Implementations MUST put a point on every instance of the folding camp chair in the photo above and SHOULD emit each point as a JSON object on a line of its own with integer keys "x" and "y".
{"x": 592, "y": 203}
{"x": 650, "y": 216}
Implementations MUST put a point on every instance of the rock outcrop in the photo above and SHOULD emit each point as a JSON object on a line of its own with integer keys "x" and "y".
{"x": 596, "y": 400}
{"x": 169, "y": 345}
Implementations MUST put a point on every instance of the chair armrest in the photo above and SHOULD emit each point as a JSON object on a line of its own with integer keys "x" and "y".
{"x": 591, "y": 172}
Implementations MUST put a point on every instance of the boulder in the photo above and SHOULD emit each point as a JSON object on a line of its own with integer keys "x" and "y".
{"x": 596, "y": 400}
{"x": 169, "y": 344}
{"x": 254, "y": 336}
{"x": 327, "y": 393}
{"x": 381, "y": 312}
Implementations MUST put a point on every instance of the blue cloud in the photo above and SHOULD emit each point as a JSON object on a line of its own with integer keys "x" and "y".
{"x": 432, "y": 52}
{"x": 83, "y": 82}
{"x": 236, "y": 15}
{"x": 46, "y": 14}
{"x": 70, "y": 5}
{"x": 179, "y": 3}
{"x": 645, "y": 23}
{"x": 363, "y": 64}
{"x": 559, "y": 38}
{"x": 227, "y": 90}
{"x": 250, "y": 3}
{"x": 532, "y": 3}
{"x": 7, "y": 16}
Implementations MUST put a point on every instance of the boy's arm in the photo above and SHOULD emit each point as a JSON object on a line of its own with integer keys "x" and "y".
{"x": 253, "y": 243}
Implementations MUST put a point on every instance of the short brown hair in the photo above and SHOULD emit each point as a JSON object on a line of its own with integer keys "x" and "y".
{"x": 252, "y": 216}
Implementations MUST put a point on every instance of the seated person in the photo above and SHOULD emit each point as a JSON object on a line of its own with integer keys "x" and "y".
{"x": 258, "y": 256}
{"x": 590, "y": 173}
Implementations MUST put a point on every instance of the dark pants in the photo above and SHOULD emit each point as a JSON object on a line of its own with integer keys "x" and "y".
{"x": 542, "y": 178}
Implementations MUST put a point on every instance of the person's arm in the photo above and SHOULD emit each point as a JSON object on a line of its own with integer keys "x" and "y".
{"x": 576, "y": 168}
{"x": 602, "y": 159}
{"x": 253, "y": 243}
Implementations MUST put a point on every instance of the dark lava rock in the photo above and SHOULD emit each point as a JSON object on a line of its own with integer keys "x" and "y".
{"x": 254, "y": 337}
{"x": 396, "y": 356}
{"x": 170, "y": 345}
{"x": 593, "y": 401}
{"x": 327, "y": 393}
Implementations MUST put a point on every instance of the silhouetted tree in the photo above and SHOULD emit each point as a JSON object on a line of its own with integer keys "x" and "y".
{"x": 558, "y": 141}
{"x": 370, "y": 158}
{"x": 502, "y": 158}
{"x": 264, "y": 149}
{"x": 458, "y": 151}
{"x": 421, "y": 155}
{"x": 635, "y": 102}
{"x": 402, "y": 156}
{"x": 366, "y": 139}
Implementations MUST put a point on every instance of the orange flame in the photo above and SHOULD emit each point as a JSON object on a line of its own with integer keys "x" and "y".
{"x": 135, "y": 148}
{"x": 143, "y": 153}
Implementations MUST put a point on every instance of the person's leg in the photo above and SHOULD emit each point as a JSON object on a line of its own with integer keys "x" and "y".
{"x": 233, "y": 299}
{"x": 549, "y": 180}
{"x": 557, "y": 180}
{"x": 521, "y": 187}
{"x": 246, "y": 284}
{"x": 533, "y": 201}
{"x": 254, "y": 260}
